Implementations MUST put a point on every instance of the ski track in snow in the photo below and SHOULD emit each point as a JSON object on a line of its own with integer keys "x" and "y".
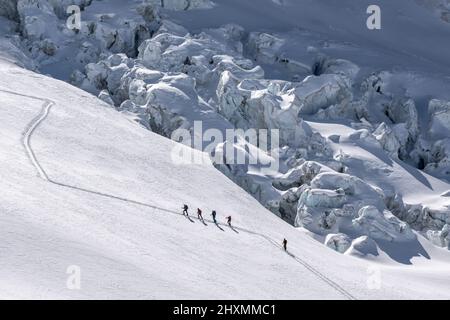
{"x": 45, "y": 110}
{"x": 27, "y": 136}
{"x": 32, "y": 126}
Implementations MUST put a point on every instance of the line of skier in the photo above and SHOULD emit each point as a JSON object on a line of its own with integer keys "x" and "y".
{"x": 214, "y": 215}
{"x": 200, "y": 215}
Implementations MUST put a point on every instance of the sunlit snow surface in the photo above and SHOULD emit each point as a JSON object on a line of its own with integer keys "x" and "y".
{"x": 85, "y": 185}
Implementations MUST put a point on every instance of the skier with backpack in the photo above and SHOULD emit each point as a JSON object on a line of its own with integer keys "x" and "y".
{"x": 199, "y": 214}
{"x": 213, "y": 214}
{"x": 229, "y": 220}
{"x": 185, "y": 210}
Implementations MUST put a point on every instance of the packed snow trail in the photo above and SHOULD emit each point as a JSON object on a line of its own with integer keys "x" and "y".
{"x": 27, "y": 136}
{"x": 45, "y": 110}
{"x": 32, "y": 126}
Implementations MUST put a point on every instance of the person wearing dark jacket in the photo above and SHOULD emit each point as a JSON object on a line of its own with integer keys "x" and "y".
{"x": 185, "y": 210}
{"x": 213, "y": 214}
{"x": 199, "y": 214}
{"x": 285, "y": 245}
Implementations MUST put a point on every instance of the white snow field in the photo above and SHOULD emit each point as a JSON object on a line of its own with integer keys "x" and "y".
{"x": 362, "y": 187}
{"x": 109, "y": 201}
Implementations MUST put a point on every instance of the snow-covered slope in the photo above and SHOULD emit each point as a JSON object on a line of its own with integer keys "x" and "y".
{"x": 362, "y": 175}
{"x": 106, "y": 173}
{"x": 112, "y": 207}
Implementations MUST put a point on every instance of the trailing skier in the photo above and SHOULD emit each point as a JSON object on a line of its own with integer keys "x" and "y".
{"x": 213, "y": 214}
{"x": 285, "y": 244}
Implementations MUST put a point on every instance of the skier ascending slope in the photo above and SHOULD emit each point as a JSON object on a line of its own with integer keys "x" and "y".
{"x": 229, "y": 220}
{"x": 213, "y": 214}
{"x": 199, "y": 214}
{"x": 285, "y": 245}
{"x": 185, "y": 210}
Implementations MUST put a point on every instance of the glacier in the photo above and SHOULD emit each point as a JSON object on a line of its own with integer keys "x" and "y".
{"x": 363, "y": 157}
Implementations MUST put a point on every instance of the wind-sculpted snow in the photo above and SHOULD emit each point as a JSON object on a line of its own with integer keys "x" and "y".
{"x": 277, "y": 104}
{"x": 381, "y": 225}
{"x": 333, "y": 196}
{"x": 339, "y": 242}
{"x": 362, "y": 247}
{"x": 341, "y": 205}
